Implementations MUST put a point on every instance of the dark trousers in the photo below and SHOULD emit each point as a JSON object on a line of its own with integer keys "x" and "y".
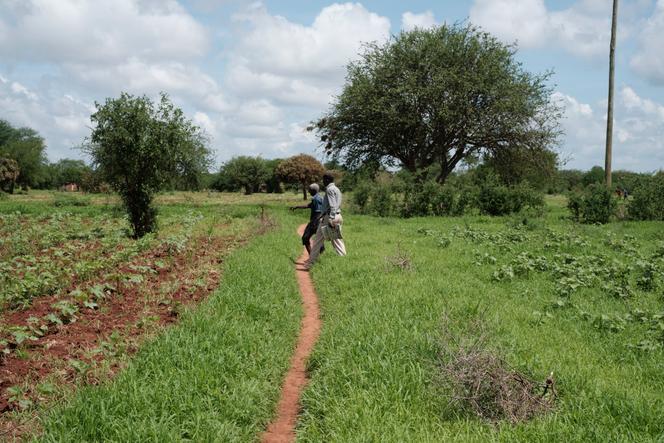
{"x": 310, "y": 231}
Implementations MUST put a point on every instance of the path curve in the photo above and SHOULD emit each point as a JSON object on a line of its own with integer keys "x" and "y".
{"x": 282, "y": 429}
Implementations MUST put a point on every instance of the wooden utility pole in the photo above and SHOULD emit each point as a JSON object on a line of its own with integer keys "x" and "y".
{"x": 609, "y": 113}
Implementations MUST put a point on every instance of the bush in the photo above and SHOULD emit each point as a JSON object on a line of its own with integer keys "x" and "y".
{"x": 432, "y": 198}
{"x": 495, "y": 199}
{"x": 596, "y": 205}
{"x": 3, "y": 195}
{"x": 648, "y": 199}
{"x": 361, "y": 195}
{"x": 574, "y": 205}
{"x": 381, "y": 203}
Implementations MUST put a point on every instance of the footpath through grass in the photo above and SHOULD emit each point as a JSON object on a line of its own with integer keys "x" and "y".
{"x": 552, "y": 297}
{"x": 215, "y": 376}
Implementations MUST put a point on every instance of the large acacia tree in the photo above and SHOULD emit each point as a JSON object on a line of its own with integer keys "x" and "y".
{"x": 433, "y": 97}
{"x": 138, "y": 146}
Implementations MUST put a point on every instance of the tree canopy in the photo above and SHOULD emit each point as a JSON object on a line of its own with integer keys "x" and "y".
{"x": 434, "y": 97}
{"x": 69, "y": 171}
{"x": 9, "y": 172}
{"x": 301, "y": 169}
{"x": 27, "y": 148}
{"x": 244, "y": 172}
{"x": 139, "y": 146}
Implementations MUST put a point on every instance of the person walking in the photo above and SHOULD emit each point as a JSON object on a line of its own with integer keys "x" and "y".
{"x": 330, "y": 227}
{"x": 315, "y": 217}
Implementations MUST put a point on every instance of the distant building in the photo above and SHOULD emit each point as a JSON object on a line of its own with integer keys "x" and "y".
{"x": 70, "y": 187}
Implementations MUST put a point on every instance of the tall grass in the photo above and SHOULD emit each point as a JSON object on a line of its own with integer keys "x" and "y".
{"x": 375, "y": 374}
{"x": 216, "y": 375}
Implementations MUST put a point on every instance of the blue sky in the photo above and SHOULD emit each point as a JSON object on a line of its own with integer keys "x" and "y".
{"x": 253, "y": 74}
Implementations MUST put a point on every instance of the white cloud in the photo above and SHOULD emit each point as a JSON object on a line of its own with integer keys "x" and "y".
{"x": 139, "y": 77}
{"x": 648, "y": 60}
{"x": 297, "y": 64}
{"x": 638, "y": 131}
{"x": 582, "y": 29}
{"x": 525, "y": 21}
{"x": 99, "y": 31}
{"x": 62, "y": 120}
{"x": 410, "y": 21}
{"x": 18, "y": 88}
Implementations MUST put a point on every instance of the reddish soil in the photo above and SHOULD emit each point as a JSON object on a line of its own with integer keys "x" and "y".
{"x": 282, "y": 429}
{"x": 129, "y": 313}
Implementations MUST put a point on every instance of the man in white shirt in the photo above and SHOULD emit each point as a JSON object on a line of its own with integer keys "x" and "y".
{"x": 330, "y": 228}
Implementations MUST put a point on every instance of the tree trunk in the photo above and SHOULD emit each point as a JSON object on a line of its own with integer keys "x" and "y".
{"x": 304, "y": 190}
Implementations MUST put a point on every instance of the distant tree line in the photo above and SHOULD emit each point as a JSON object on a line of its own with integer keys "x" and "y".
{"x": 255, "y": 174}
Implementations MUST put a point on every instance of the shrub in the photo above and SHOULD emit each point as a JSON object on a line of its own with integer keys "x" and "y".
{"x": 495, "y": 199}
{"x": 381, "y": 203}
{"x": 648, "y": 199}
{"x": 596, "y": 205}
{"x": 574, "y": 204}
{"x": 432, "y": 198}
{"x": 361, "y": 195}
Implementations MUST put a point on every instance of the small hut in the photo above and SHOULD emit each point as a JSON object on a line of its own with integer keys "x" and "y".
{"x": 70, "y": 187}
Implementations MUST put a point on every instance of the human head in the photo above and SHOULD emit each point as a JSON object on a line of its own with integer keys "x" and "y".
{"x": 328, "y": 178}
{"x": 313, "y": 188}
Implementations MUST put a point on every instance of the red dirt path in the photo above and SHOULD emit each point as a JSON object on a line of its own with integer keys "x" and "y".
{"x": 282, "y": 429}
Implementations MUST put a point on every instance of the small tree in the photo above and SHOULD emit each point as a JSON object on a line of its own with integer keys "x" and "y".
{"x": 301, "y": 169}
{"x": 69, "y": 171}
{"x": 243, "y": 172}
{"x": 27, "y": 148}
{"x": 138, "y": 145}
{"x": 435, "y": 97}
{"x": 9, "y": 172}
{"x": 595, "y": 175}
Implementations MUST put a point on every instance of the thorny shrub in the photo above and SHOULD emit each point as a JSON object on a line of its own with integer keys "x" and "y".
{"x": 481, "y": 381}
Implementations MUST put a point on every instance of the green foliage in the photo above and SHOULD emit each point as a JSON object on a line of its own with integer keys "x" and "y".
{"x": 243, "y": 172}
{"x": 138, "y": 147}
{"x": 596, "y": 204}
{"x": 496, "y": 199}
{"x": 432, "y": 198}
{"x": 648, "y": 199}
{"x": 436, "y": 97}
{"x": 62, "y": 200}
{"x": 69, "y": 171}
{"x": 9, "y": 173}
{"x": 273, "y": 183}
{"x": 517, "y": 165}
{"x": 27, "y": 148}
{"x": 361, "y": 195}
{"x": 594, "y": 176}
{"x": 568, "y": 180}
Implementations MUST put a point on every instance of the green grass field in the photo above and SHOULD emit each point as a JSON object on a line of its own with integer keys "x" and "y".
{"x": 584, "y": 302}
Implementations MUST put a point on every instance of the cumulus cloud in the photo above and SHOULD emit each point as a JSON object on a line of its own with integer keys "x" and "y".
{"x": 99, "y": 31}
{"x": 638, "y": 131}
{"x": 410, "y": 21}
{"x": 298, "y": 64}
{"x": 62, "y": 120}
{"x": 582, "y": 29}
{"x": 648, "y": 60}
